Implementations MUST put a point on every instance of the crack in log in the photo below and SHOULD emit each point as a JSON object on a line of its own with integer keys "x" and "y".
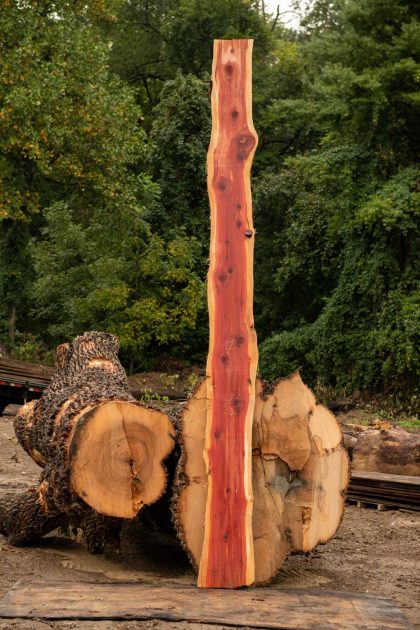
{"x": 135, "y": 479}
{"x": 267, "y": 484}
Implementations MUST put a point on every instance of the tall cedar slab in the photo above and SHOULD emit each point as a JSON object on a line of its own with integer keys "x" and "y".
{"x": 227, "y": 559}
{"x": 263, "y": 471}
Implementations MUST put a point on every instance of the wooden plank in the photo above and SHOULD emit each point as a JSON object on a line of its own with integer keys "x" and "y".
{"x": 40, "y": 375}
{"x": 227, "y": 559}
{"x": 385, "y": 488}
{"x": 259, "y": 608}
{"x": 27, "y": 371}
{"x": 359, "y": 475}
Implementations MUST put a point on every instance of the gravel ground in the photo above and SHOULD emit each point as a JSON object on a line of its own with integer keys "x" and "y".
{"x": 373, "y": 552}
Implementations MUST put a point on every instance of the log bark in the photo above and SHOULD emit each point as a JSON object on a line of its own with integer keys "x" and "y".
{"x": 100, "y": 450}
{"x": 392, "y": 451}
{"x": 227, "y": 556}
{"x": 300, "y": 471}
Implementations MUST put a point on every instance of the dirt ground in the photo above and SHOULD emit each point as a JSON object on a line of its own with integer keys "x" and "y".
{"x": 373, "y": 552}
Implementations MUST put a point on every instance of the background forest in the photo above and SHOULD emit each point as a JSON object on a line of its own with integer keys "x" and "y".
{"x": 105, "y": 123}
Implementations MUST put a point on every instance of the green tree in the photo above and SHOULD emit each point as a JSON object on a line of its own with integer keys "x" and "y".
{"x": 69, "y": 131}
{"x": 136, "y": 285}
{"x": 138, "y": 52}
{"x": 153, "y": 41}
{"x": 350, "y": 218}
{"x": 177, "y": 158}
{"x": 194, "y": 25}
{"x": 73, "y": 195}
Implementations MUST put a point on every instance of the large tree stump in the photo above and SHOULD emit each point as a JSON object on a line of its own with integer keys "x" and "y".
{"x": 300, "y": 472}
{"x": 100, "y": 450}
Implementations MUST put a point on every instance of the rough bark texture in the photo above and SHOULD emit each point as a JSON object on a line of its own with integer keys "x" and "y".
{"x": 391, "y": 451}
{"x": 300, "y": 472}
{"x": 101, "y": 451}
{"x": 227, "y": 557}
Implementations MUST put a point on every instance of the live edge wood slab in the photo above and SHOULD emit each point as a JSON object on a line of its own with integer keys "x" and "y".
{"x": 263, "y": 471}
{"x": 227, "y": 559}
{"x": 256, "y": 608}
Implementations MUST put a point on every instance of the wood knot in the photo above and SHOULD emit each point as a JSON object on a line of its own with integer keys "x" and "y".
{"x": 248, "y": 233}
{"x": 229, "y": 69}
{"x": 245, "y": 140}
{"x": 237, "y": 404}
{"x": 222, "y": 184}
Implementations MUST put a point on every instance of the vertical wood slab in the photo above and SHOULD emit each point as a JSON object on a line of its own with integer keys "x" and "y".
{"x": 227, "y": 559}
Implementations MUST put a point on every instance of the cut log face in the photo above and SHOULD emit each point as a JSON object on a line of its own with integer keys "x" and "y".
{"x": 101, "y": 451}
{"x": 315, "y": 505}
{"x": 115, "y": 457}
{"x": 227, "y": 557}
{"x": 298, "y": 484}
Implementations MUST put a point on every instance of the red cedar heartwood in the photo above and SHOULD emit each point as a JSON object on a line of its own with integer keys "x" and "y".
{"x": 227, "y": 559}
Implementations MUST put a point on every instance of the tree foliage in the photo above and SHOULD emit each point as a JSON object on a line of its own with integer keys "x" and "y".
{"x": 346, "y": 261}
{"x": 105, "y": 123}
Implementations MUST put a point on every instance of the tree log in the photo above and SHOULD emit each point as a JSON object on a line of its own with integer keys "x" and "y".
{"x": 227, "y": 557}
{"x": 392, "y": 451}
{"x": 101, "y": 451}
{"x": 300, "y": 471}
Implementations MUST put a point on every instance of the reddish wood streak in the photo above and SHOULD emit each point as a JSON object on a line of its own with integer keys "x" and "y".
{"x": 230, "y": 368}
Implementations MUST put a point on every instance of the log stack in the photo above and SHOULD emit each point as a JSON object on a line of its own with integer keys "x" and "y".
{"x": 299, "y": 475}
{"x": 101, "y": 455}
{"x": 101, "y": 451}
{"x": 393, "y": 451}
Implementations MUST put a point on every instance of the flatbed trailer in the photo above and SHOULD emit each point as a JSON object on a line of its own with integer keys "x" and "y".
{"x": 21, "y": 382}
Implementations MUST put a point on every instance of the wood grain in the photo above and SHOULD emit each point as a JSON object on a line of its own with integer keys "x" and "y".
{"x": 101, "y": 451}
{"x": 228, "y": 558}
{"x": 300, "y": 472}
{"x": 258, "y": 608}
